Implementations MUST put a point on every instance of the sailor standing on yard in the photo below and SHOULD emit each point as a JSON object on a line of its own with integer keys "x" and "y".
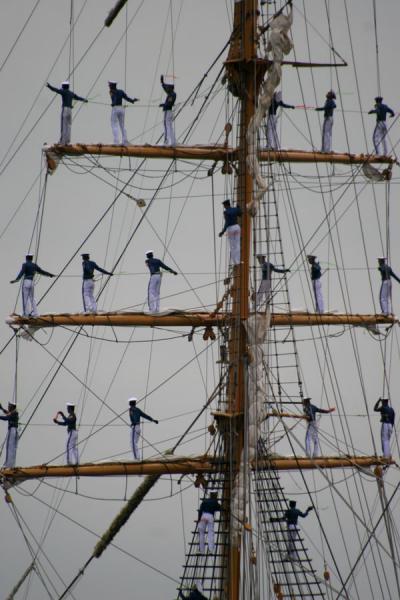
{"x": 291, "y": 517}
{"x": 69, "y": 422}
{"x": 385, "y": 294}
{"x": 135, "y": 414}
{"x": 167, "y": 106}
{"x": 312, "y": 441}
{"x": 153, "y": 291}
{"x": 66, "y": 109}
{"x": 89, "y": 267}
{"x": 11, "y": 442}
{"x": 264, "y": 291}
{"x": 387, "y": 420}
{"x": 380, "y": 131}
{"x": 28, "y": 270}
{"x": 316, "y": 274}
{"x": 232, "y": 228}
{"x": 207, "y": 510}
{"x": 118, "y": 112}
{"x": 273, "y": 142}
{"x": 328, "y": 109}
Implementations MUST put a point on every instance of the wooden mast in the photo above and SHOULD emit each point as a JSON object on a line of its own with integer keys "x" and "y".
{"x": 244, "y": 71}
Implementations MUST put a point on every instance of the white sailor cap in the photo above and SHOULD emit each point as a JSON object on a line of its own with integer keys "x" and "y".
{"x": 132, "y": 399}
{"x": 260, "y": 255}
{"x": 306, "y": 398}
{"x": 381, "y": 258}
{"x": 70, "y": 404}
{"x": 111, "y": 82}
{"x": 29, "y": 256}
{"x": 213, "y": 492}
{"x": 64, "y": 83}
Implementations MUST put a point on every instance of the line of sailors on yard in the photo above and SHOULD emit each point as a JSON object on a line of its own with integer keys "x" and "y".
{"x": 380, "y": 109}
{"x": 68, "y": 420}
{"x": 155, "y": 265}
{"x": 30, "y": 268}
{"x": 118, "y": 95}
{"x": 209, "y": 506}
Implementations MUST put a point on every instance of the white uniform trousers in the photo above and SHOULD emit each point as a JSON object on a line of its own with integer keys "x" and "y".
{"x": 66, "y": 122}
{"x": 89, "y": 302}
{"x": 118, "y": 123}
{"x": 72, "y": 448}
{"x": 169, "y": 128}
{"x": 386, "y": 434}
{"x": 264, "y": 293}
{"x": 206, "y": 523}
{"x": 327, "y": 134}
{"x": 29, "y": 307}
{"x": 135, "y": 437}
{"x": 319, "y": 301}
{"x": 11, "y": 447}
{"x": 272, "y": 133}
{"x": 385, "y": 297}
{"x": 379, "y": 137}
{"x": 233, "y": 233}
{"x": 153, "y": 292}
{"x": 312, "y": 441}
{"x": 292, "y": 536}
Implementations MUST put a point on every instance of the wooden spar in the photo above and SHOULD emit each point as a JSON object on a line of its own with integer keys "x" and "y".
{"x": 182, "y": 466}
{"x": 215, "y": 153}
{"x": 114, "y": 12}
{"x": 196, "y": 319}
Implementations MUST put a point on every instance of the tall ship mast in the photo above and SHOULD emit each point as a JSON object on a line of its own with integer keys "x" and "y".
{"x": 255, "y": 445}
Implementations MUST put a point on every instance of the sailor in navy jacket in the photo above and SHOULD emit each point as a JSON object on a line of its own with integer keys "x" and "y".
{"x": 207, "y": 510}
{"x": 387, "y": 420}
{"x": 310, "y": 412}
{"x": 167, "y": 106}
{"x": 316, "y": 283}
{"x": 28, "y": 271}
{"x": 291, "y": 517}
{"x": 264, "y": 290}
{"x": 69, "y": 421}
{"x": 135, "y": 416}
{"x": 67, "y": 96}
{"x": 273, "y": 142}
{"x": 232, "y": 229}
{"x": 11, "y": 442}
{"x": 385, "y": 293}
{"x": 328, "y": 109}
{"x": 380, "y": 131}
{"x": 118, "y": 112}
{"x": 153, "y": 291}
{"x": 88, "y": 269}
